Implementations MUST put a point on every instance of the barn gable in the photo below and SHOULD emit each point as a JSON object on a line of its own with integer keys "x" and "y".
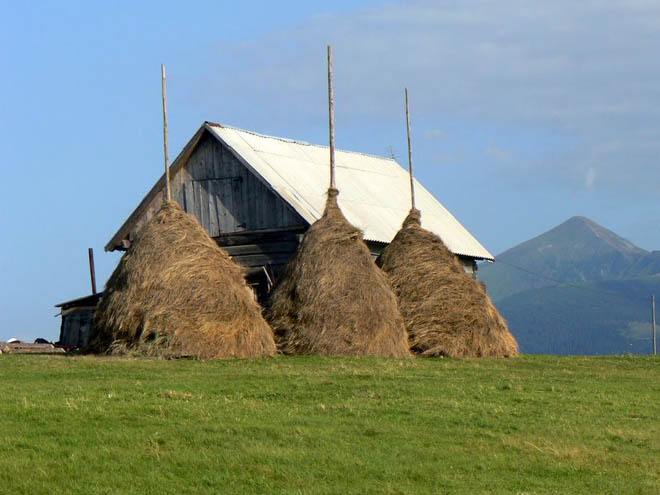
{"x": 225, "y": 196}
{"x": 211, "y": 183}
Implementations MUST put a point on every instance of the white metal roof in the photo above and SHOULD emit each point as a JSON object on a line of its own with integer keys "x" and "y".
{"x": 374, "y": 191}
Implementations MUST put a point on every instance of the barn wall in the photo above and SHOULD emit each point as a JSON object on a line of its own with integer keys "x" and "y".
{"x": 375, "y": 248}
{"x": 469, "y": 264}
{"x": 226, "y": 197}
{"x": 223, "y": 195}
{"x": 76, "y": 326}
{"x": 253, "y": 225}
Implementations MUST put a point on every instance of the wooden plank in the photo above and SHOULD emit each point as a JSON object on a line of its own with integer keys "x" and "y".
{"x": 263, "y": 248}
{"x": 213, "y": 211}
{"x": 229, "y": 162}
{"x": 215, "y": 170}
{"x": 268, "y": 205}
{"x": 272, "y": 216}
{"x": 22, "y": 348}
{"x": 278, "y": 213}
{"x": 263, "y": 259}
{"x": 175, "y": 184}
{"x": 237, "y": 201}
{"x": 221, "y": 205}
{"x": 247, "y": 196}
{"x": 251, "y": 197}
{"x": 209, "y": 171}
{"x": 197, "y": 210}
{"x": 230, "y": 221}
{"x": 233, "y": 194}
{"x": 258, "y": 205}
{"x": 260, "y": 236}
{"x": 193, "y": 162}
{"x": 204, "y": 205}
{"x": 293, "y": 217}
{"x": 189, "y": 197}
{"x": 217, "y": 159}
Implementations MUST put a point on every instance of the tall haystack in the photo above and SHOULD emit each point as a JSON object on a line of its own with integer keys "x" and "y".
{"x": 446, "y": 311}
{"x": 175, "y": 292}
{"x": 333, "y": 300}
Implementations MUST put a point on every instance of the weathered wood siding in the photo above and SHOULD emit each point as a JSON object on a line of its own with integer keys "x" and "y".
{"x": 469, "y": 264}
{"x": 226, "y": 197}
{"x": 76, "y": 327}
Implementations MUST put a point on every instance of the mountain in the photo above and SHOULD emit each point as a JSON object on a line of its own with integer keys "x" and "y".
{"x": 577, "y": 251}
{"x": 577, "y": 289}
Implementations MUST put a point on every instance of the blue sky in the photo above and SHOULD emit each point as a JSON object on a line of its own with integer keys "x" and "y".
{"x": 524, "y": 114}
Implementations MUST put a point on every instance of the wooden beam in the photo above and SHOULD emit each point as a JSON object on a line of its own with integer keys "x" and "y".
{"x": 92, "y": 270}
{"x": 260, "y": 236}
{"x": 263, "y": 248}
{"x": 263, "y": 259}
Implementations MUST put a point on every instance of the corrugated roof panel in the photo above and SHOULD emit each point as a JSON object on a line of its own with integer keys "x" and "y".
{"x": 374, "y": 191}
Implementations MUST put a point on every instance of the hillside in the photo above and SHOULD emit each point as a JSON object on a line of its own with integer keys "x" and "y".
{"x": 577, "y": 289}
{"x": 607, "y": 317}
{"x": 577, "y": 251}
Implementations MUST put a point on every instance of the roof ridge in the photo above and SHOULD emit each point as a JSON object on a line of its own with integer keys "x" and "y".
{"x": 296, "y": 141}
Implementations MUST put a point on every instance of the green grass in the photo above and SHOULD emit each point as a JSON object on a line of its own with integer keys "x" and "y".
{"x": 319, "y": 425}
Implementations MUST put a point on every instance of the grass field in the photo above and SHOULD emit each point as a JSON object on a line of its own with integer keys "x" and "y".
{"x": 319, "y": 425}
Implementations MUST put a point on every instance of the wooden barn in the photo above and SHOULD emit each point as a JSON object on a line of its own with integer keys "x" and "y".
{"x": 256, "y": 195}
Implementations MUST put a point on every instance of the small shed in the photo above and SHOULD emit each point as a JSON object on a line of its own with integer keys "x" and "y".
{"x": 77, "y": 316}
{"x": 256, "y": 195}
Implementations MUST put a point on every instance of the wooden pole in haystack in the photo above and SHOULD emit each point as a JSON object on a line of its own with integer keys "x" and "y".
{"x": 331, "y": 112}
{"x": 410, "y": 162}
{"x": 92, "y": 270}
{"x": 166, "y": 145}
{"x": 332, "y": 299}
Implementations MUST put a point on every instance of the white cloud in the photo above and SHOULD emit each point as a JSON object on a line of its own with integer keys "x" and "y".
{"x": 434, "y": 134}
{"x": 498, "y": 154}
{"x": 585, "y": 71}
{"x": 590, "y": 178}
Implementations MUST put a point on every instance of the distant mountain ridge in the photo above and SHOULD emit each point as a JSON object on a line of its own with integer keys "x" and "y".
{"x": 576, "y": 251}
{"x": 578, "y": 288}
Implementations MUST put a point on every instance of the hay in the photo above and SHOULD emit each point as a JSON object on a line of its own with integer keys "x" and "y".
{"x": 333, "y": 300}
{"x": 446, "y": 311}
{"x": 176, "y": 293}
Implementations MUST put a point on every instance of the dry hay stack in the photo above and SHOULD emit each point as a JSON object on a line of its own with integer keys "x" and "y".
{"x": 446, "y": 311}
{"x": 176, "y": 293}
{"x": 333, "y": 299}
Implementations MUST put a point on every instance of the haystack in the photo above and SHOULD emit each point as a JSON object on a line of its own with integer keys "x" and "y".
{"x": 175, "y": 293}
{"x": 333, "y": 300}
{"x": 446, "y": 311}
